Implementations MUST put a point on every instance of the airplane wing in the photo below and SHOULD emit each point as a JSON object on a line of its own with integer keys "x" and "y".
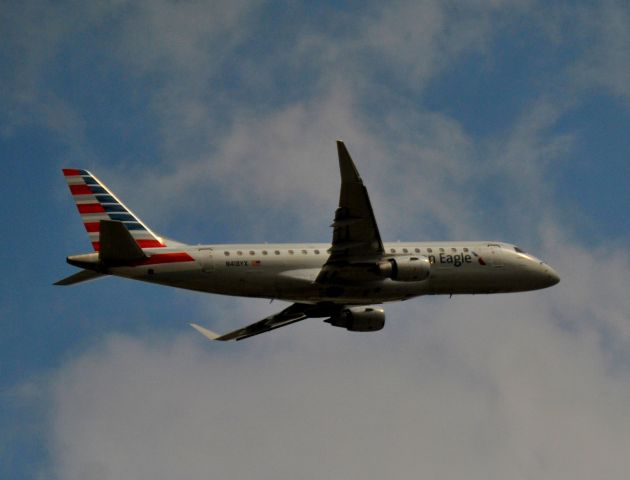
{"x": 355, "y": 233}
{"x": 293, "y": 313}
{"x": 356, "y": 239}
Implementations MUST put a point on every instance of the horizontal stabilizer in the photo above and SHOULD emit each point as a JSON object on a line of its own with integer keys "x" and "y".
{"x": 82, "y": 276}
{"x": 117, "y": 244}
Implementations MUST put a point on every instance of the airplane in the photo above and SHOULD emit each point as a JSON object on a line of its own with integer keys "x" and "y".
{"x": 340, "y": 282}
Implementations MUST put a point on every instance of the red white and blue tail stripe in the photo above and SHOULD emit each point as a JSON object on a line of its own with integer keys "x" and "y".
{"x": 96, "y": 202}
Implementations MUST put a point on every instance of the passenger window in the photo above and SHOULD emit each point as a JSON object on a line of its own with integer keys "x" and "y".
{"x": 417, "y": 250}
{"x": 393, "y": 250}
{"x": 239, "y": 253}
{"x": 251, "y": 252}
{"x": 430, "y": 250}
{"x": 405, "y": 250}
{"x": 453, "y": 249}
{"x": 264, "y": 252}
{"x": 291, "y": 252}
{"x": 303, "y": 252}
{"x": 316, "y": 252}
{"x": 277, "y": 252}
{"x": 465, "y": 249}
{"x": 441, "y": 250}
{"x": 227, "y": 254}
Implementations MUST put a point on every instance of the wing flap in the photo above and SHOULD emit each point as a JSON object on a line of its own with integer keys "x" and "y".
{"x": 257, "y": 328}
{"x": 292, "y": 314}
{"x": 346, "y": 222}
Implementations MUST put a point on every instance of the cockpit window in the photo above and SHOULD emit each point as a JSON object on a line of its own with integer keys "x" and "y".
{"x": 519, "y": 250}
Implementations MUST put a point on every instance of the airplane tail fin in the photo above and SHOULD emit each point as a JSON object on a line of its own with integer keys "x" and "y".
{"x": 95, "y": 202}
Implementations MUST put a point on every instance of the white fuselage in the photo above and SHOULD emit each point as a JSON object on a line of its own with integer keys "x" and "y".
{"x": 337, "y": 281}
{"x": 288, "y": 271}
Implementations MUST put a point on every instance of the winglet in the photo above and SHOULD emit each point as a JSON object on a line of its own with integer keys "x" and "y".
{"x": 349, "y": 172}
{"x": 210, "y": 335}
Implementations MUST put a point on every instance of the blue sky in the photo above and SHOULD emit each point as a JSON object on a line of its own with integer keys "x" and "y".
{"x": 216, "y": 122}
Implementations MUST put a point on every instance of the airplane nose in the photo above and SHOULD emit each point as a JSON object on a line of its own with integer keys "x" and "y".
{"x": 552, "y": 276}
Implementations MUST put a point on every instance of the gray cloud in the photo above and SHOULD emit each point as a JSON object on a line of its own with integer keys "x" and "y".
{"x": 478, "y": 386}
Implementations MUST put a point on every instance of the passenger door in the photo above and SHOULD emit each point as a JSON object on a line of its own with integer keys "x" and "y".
{"x": 206, "y": 260}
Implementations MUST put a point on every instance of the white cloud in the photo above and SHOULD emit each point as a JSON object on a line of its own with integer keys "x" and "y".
{"x": 178, "y": 49}
{"x": 186, "y": 37}
{"x": 31, "y": 35}
{"x": 607, "y": 45}
{"x": 281, "y": 158}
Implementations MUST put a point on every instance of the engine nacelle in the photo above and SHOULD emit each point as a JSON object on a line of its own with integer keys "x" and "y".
{"x": 359, "y": 319}
{"x": 406, "y": 269}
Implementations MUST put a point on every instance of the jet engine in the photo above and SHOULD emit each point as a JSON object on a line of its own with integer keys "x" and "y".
{"x": 359, "y": 319}
{"x": 406, "y": 269}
